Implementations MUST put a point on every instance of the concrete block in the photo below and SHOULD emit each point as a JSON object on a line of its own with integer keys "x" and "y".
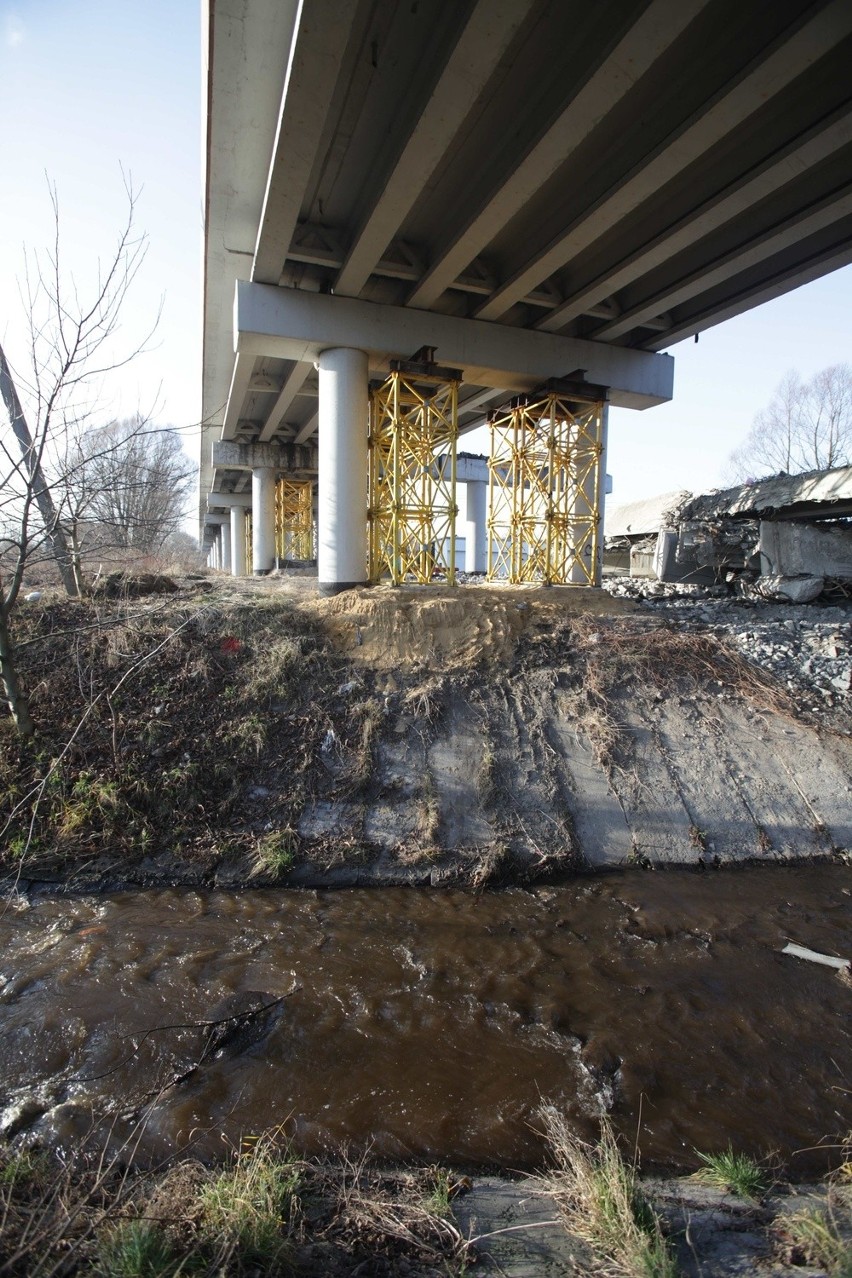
{"x": 789, "y": 549}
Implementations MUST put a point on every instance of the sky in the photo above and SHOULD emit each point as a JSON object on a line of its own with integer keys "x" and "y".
{"x": 91, "y": 87}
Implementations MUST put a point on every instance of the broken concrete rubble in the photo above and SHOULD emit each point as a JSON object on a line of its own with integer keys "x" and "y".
{"x": 787, "y": 538}
{"x": 809, "y": 652}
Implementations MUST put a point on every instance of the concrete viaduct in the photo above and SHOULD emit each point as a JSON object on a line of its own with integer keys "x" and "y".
{"x": 533, "y": 187}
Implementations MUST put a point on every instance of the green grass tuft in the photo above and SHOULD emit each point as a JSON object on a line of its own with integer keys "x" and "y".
{"x": 135, "y": 1249}
{"x": 733, "y": 1172}
{"x": 247, "y": 1209}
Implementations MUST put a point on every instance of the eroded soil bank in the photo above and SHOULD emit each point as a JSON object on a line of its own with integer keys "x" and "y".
{"x": 255, "y": 733}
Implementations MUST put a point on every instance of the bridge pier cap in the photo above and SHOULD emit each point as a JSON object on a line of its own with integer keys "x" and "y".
{"x": 288, "y": 323}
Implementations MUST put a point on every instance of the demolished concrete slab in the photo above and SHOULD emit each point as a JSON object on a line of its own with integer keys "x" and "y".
{"x": 784, "y": 538}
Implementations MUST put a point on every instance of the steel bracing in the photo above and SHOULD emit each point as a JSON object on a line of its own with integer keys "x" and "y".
{"x": 412, "y": 501}
{"x": 544, "y": 490}
{"x": 247, "y": 566}
{"x": 294, "y": 522}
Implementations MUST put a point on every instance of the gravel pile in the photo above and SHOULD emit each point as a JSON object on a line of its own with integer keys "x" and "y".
{"x": 808, "y": 648}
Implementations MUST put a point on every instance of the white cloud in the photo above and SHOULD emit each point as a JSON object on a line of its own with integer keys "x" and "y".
{"x": 13, "y": 31}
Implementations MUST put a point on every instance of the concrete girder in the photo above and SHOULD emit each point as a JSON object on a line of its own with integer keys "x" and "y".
{"x": 760, "y": 248}
{"x": 241, "y": 116}
{"x": 484, "y": 41}
{"x": 654, "y": 32}
{"x": 290, "y": 324}
{"x": 402, "y": 263}
{"x": 747, "y": 94}
{"x": 759, "y": 183}
{"x": 240, "y": 380}
{"x": 308, "y": 429}
{"x": 754, "y": 292}
{"x": 240, "y": 133}
{"x": 319, "y": 42}
{"x": 291, "y": 388}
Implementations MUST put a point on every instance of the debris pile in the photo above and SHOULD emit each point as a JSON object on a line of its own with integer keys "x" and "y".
{"x": 788, "y": 538}
{"x": 808, "y": 649}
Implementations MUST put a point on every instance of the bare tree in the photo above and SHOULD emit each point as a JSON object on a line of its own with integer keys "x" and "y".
{"x": 126, "y": 487}
{"x": 71, "y": 349}
{"x": 806, "y": 426}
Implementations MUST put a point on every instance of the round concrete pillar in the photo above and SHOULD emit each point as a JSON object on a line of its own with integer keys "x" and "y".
{"x": 262, "y": 520}
{"x": 342, "y": 488}
{"x": 585, "y": 504}
{"x": 475, "y": 530}
{"x": 225, "y": 534}
{"x": 598, "y": 567}
{"x": 238, "y": 541}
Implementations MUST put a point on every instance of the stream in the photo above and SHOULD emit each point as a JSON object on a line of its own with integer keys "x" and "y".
{"x": 433, "y": 1024}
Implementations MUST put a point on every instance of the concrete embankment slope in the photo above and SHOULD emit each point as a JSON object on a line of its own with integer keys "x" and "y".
{"x": 525, "y": 730}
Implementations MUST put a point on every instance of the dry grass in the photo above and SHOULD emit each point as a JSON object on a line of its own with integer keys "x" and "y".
{"x": 816, "y": 1237}
{"x": 600, "y": 1200}
{"x": 429, "y": 823}
{"x": 404, "y": 1208}
{"x": 611, "y": 659}
{"x": 262, "y": 1212}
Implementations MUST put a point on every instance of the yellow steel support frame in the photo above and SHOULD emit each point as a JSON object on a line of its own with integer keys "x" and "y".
{"x": 413, "y": 434}
{"x": 249, "y": 563}
{"x": 294, "y": 519}
{"x": 543, "y": 490}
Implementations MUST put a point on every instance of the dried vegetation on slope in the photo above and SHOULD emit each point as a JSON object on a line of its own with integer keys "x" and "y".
{"x": 244, "y": 733}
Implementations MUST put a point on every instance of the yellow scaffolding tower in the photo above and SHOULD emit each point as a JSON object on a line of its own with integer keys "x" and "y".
{"x": 294, "y": 519}
{"x": 412, "y": 505}
{"x": 544, "y": 486}
{"x": 249, "y": 564}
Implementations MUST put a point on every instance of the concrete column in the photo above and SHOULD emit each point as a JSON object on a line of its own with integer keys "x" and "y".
{"x": 342, "y": 489}
{"x": 214, "y": 549}
{"x": 225, "y": 536}
{"x": 585, "y": 506}
{"x": 262, "y": 520}
{"x": 238, "y": 541}
{"x": 475, "y": 530}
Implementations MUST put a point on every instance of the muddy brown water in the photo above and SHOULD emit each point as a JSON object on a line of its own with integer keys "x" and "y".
{"x": 433, "y": 1023}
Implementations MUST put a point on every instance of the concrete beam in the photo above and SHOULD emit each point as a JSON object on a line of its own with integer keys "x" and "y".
{"x": 757, "y": 249}
{"x": 292, "y": 324}
{"x": 766, "y": 289}
{"x": 240, "y": 379}
{"x": 294, "y": 383}
{"x": 654, "y": 32}
{"x": 316, "y": 54}
{"x": 746, "y": 95}
{"x": 229, "y": 455}
{"x": 472, "y": 470}
{"x": 758, "y": 184}
{"x": 482, "y": 44}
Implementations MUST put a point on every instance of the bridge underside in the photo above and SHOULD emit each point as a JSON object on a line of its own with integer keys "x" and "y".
{"x": 601, "y": 180}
